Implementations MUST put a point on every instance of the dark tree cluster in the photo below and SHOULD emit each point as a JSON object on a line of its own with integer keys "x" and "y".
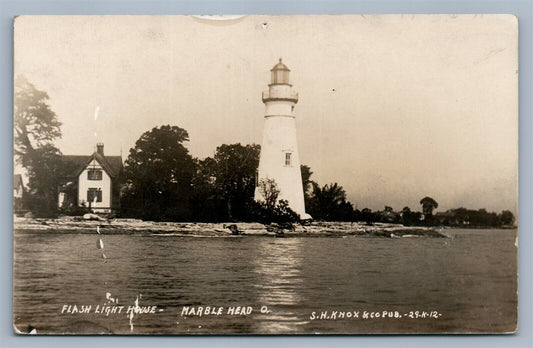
{"x": 158, "y": 175}
{"x": 462, "y": 217}
{"x": 162, "y": 181}
{"x": 326, "y": 202}
{"x": 329, "y": 203}
{"x": 35, "y": 128}
{"x": 270, "y": 209}
{"x": 235, "y": 171}
{"x": 459, "y": 217}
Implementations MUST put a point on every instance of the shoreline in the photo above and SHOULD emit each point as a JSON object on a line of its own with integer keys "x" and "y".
{"x": 71, "y": 225}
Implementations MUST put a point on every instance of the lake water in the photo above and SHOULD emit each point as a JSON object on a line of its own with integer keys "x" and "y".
{"x": 466, "y": 283}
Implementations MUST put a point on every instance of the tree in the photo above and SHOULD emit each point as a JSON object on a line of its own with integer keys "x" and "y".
{"x": 329, "y": 203}
{"x": 408, "y": 217}
{"x": 224, "y": 184}
{"x": 35, "y": 124}
{"x": 45, "y": 172}
{"x": 507, "y": 218}
{"x": 307, "y": 184}
{"x": 477, "y": 218}
{"x": 367, "y": 216}
{"x": 158, "y": 176}
{"x": 207, "y": 204}
{"x": 428, "y": 204}
{"x": 270, "y": 192}
{"x": 283, "y": 214}
{"x": 35, "y": 128}
{"x": 270, "y": 209}
{"x": 235, "y": 172}
{"x": 388, "y": 215}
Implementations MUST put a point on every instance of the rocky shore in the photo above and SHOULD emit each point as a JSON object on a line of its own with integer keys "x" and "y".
{"x": 69, "y": 224}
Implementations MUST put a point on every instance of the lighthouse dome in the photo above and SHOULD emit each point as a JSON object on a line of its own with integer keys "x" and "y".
{"x": 279, "y": 74}
{"x": 280, "y": 66}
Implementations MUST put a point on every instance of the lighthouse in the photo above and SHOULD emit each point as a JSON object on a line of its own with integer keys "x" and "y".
{"x": 279, "y": 159}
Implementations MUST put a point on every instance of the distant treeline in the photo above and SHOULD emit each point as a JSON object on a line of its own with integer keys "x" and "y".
{"x": 329, "y": 203}
{"x": 459, "y": 217}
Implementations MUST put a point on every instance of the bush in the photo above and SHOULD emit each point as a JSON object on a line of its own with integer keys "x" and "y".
{"x": 75, "y": 210}
{"x": 39, "y": 207}
{"x": 280, "y": 213}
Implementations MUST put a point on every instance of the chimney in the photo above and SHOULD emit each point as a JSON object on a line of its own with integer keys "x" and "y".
{"x": 100, "y": 148}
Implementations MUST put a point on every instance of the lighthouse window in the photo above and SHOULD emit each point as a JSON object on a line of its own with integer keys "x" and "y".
{"x": 288, "y": 158}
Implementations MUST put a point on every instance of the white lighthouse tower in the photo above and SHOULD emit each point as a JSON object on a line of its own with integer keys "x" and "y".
{"x": 279, "y": 158}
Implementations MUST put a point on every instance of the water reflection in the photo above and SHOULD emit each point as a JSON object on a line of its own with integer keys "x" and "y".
{"x": 278, "y": 267}
{"x": 292, "y": 276}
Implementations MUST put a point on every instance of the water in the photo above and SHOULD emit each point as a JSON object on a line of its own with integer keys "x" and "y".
{"x": 468, "y": 282}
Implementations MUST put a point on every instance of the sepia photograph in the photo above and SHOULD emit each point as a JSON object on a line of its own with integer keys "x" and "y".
{"x": 265, "y": 174}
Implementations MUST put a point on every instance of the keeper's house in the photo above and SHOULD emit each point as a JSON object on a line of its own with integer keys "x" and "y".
{"x": 91, "y": 182}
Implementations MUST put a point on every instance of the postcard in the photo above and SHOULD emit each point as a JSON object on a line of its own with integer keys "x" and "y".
{"x": 298, "y": 174}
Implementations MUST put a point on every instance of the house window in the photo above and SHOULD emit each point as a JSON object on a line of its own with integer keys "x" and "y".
{"x": 288, "y": 158}
{"x": 94, "y": 174}
{"x": 92, "y": 193}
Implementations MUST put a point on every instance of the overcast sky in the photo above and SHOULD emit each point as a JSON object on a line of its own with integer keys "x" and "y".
{"x": 393, "y": 108}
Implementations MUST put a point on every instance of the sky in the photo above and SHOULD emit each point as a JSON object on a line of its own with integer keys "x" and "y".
{"x": 392, "y": 107}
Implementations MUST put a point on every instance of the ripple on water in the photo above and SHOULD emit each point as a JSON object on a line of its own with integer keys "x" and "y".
{"x": 470, "y": 279}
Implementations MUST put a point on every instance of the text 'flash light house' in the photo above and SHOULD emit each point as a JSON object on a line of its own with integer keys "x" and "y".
{"x": 279, "y": 158}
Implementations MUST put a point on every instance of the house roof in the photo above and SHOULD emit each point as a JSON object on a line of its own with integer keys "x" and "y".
{"x": 17, "y": 180}
{"x": 111, "y": 164}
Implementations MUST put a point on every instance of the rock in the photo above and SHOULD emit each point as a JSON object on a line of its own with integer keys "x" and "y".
{"x": 90, "y": 216}
{"x": 89, "y": 223}
{"x": 234, "y": 229}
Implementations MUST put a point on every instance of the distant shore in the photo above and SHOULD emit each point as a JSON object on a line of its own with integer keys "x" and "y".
{"x": 67, "y": 225}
